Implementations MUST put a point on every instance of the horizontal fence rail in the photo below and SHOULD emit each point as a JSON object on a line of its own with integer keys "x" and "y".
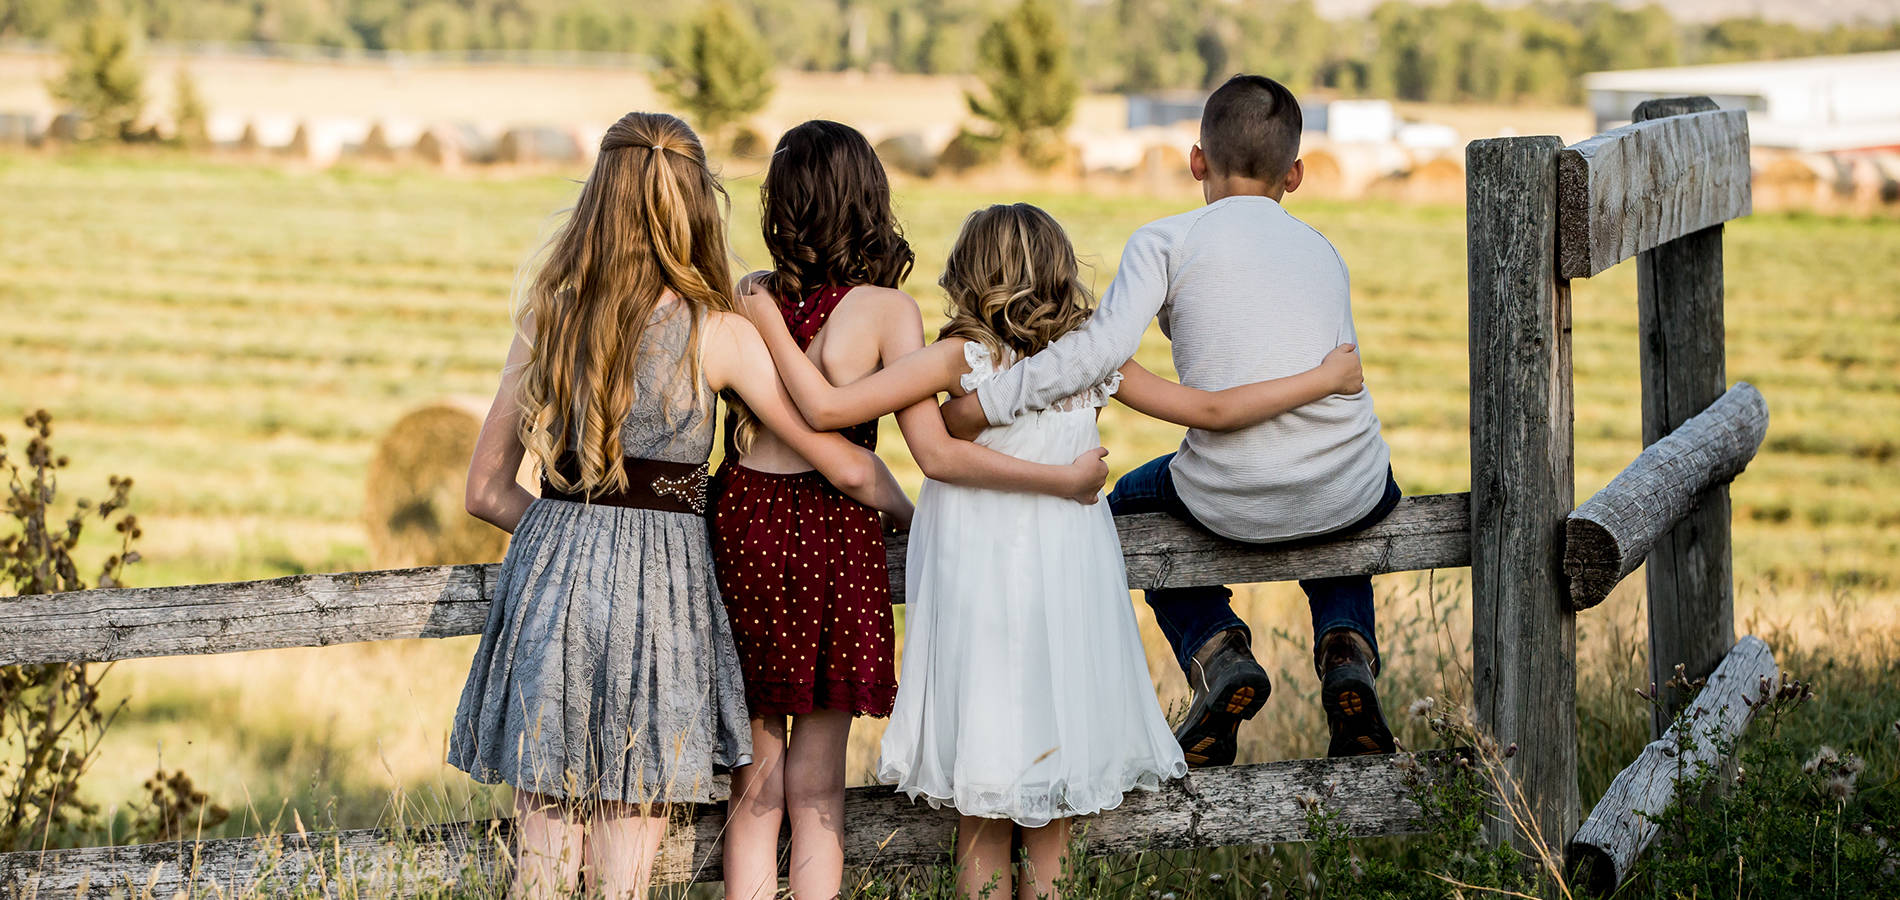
{"x": 1640, "y": 186}
{"x": 1608, "y": 536}
{"x": 1430, "y": 532}
{"x": 1225, "y": 806}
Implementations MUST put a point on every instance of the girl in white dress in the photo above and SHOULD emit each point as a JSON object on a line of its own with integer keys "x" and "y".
{"x": 1024, "y": 696}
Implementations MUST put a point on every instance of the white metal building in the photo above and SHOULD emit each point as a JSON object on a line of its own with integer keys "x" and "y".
{"x": 1816, "y": 104}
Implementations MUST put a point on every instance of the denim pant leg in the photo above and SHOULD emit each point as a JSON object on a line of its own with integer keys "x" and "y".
{"x": 1188, "y": 616}
{"x": 1345, "y": 601}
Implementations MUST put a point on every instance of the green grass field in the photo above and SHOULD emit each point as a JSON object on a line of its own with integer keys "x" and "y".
{"x": 237, "y": 338}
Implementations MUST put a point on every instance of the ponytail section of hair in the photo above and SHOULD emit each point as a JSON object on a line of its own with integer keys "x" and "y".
{"x": 649, "y": 220}
{"x": 1013, "y": 281}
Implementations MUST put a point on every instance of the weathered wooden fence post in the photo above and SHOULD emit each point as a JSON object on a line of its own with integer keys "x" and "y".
{"x": 1524, "y": 636}
{"x": 1679, "y": 316}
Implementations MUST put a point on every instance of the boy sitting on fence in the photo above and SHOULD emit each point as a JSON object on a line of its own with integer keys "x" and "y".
{"x": 1245, "y": 292}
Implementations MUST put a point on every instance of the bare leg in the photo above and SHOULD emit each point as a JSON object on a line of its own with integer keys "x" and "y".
{"x": 814, "y": 799}
{"x": 983, "y": 858}
{"x": 622, "y": 840}
{"x": 547, "y": 848}
{"x": 754, "y": 813}
{"x": 1048, "y": 851}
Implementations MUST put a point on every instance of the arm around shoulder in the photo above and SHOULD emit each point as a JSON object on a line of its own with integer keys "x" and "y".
{"x": 1088, "y": 354}
{"x": 1247, "y": 404}
{"x": 735, "y": 358}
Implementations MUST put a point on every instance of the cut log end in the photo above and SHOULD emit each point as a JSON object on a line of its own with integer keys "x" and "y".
{"x": 1592, "y": 868}
{"x": 1593, "y": 562}
{"x": 1611, "y": 533}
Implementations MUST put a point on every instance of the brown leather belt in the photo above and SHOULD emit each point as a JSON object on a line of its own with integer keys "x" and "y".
{"x": 656, "y": 484}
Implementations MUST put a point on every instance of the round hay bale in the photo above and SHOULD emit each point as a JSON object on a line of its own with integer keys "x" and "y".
{"x": 438, "y": 148}
{"x": 68, "y": 128}
{"x": 907, "y": 153}
{"x": 538, "y": 145}
{"x": 750, "y": 143}
{"x": 376, "y": 144}
{"x": 1438, "y": 180}
{"x": 1324, "y": 175}
{"x": 299, "y": 146}
{"x": 1794, "y": 182}
{"x": 968, "y": 150}
{"x": 1164, "y": 169}
{"x": 414, "y": 510}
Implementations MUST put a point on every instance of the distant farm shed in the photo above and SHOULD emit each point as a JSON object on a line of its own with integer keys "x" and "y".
{"x": 1819, "y": 104}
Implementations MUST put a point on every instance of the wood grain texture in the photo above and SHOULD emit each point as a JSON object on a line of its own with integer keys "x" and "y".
{"x": 1647, "y": 183}
{"x": 444, "y": 601}
{"x": 1611, "y": 533}
{"x": 1609, "y": 842}
{"x": 1684, "y": 364}
{"x": 1224, "y": 806}
{"x": 1523, "y": 636}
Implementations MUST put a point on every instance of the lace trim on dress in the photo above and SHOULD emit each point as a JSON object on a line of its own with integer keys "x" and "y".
{"x": 983, "y": 367}
{"x": 1036, "y": 805}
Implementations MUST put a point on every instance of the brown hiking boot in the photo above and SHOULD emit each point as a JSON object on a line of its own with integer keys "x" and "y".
{"x": 1229, "y": 687}
{"x": 1344, "y": 661}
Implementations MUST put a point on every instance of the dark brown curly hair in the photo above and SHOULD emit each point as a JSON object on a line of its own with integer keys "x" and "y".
{"x": 825, "y": 208}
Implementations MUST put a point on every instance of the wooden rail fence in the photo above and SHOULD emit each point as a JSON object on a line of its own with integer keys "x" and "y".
{"x": 1538, "y": 214}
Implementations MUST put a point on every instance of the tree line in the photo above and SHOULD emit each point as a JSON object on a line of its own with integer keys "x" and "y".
{"x": 1464, "y": 50}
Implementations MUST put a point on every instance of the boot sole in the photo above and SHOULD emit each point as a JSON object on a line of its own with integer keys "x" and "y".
{"x": 1353, "y": 716}
{"x": 1208, "y": 737}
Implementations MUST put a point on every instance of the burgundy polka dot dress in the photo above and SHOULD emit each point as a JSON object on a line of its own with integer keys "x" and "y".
{"x": 801, "y": 568}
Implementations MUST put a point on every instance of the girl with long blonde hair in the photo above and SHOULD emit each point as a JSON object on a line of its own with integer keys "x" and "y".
{"x": 1025, "y": 699}
{"x": 606, "y": 684}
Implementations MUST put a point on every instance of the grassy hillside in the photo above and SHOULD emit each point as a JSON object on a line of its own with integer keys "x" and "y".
{"x": 237, "y": 339}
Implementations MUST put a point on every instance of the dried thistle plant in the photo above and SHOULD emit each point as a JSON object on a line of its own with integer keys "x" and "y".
{"x": 52, "y": 710}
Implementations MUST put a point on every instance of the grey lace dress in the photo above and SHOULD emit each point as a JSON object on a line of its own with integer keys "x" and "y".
{"x": 607, "y": 669}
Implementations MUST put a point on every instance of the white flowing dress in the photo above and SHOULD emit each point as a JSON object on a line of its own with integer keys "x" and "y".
{"x": 1024, "y": 692}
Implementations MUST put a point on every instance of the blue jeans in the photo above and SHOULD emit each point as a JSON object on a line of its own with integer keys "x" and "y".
{"x": 1190, "y": 616}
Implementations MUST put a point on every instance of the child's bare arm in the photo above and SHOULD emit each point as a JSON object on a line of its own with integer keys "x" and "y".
{"x": 964, "y": 416}
{"x": 902, "y": 382}
{"x": 1238, "y": 407}
{"x": 737, "y": 360}
{"x": 946, "y": 459}
{"x": 492, "y": 494}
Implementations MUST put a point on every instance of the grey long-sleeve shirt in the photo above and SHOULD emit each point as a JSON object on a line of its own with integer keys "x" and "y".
{"x": 1245, "y": 292}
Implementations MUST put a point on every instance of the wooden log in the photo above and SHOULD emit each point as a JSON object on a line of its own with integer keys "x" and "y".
{"x": 1620, "y": 826}
{"x": 1683, "y": 352}
{"x": 445, "y": 601}
{"x": 1524, "y": 638}
{"x": 1225, "y": 806}
{"x": 1608, "y": 536}
{"x": 1647, "y": 183}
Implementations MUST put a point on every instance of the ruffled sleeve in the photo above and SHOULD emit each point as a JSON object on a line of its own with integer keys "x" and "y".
{"x": 1099, "y": 394}
{"x": 982, "y": 365}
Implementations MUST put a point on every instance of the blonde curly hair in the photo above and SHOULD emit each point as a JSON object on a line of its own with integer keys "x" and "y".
{"x": 1013, "y": 281}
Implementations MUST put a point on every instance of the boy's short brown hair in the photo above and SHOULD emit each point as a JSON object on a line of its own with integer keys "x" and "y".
{"x": 1250, "y": 128}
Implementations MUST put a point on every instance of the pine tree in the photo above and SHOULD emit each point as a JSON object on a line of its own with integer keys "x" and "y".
{"x": 188, "y": 111}
{"x": 717, "y": 68}
{"x": 1025, "y": 62}
{"x": 104, "y": 80}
